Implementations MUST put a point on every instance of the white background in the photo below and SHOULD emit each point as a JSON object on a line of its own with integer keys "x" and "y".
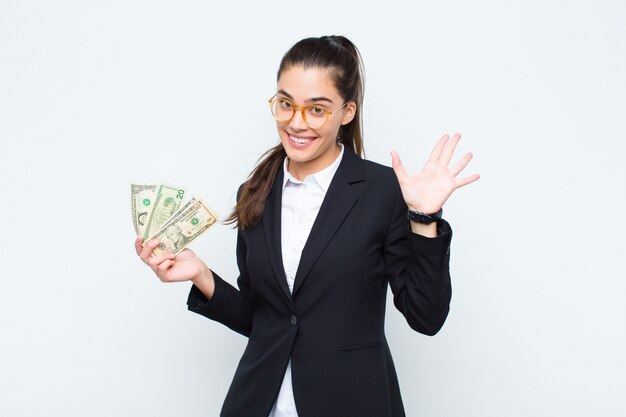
{"x": 95, "y": 95}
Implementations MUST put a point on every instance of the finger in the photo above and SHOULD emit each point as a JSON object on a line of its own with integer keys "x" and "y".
{"x": 148, "y": 247}
{"x": 436, "y": 152}
{"x": 397, "y": 166}
{"x": 459, "y": 166}
{"x": 467, "y": 180}
{"x": 138, "y": 242}
{"x": 163, "y": 267}
{"x": 446, "y": 155}
{"x": 155, "y": 261}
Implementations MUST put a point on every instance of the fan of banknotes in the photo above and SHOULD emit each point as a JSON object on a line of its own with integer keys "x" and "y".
{"x": 163, "y": 212}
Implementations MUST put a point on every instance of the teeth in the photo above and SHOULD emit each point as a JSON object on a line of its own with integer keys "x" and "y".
{"x": 299, "y": 140}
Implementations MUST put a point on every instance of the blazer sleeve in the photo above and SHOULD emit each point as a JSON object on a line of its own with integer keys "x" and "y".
{"x": 417, "y": 269}
{"x": 228, "y": 305}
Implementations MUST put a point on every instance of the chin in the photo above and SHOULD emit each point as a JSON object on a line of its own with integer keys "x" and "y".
{"x": 297, "y": 155}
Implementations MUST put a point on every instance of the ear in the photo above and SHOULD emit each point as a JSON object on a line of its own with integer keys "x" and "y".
{"x": 349, "y": 113}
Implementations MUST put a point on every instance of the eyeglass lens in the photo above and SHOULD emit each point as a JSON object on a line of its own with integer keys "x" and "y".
{"x": 283, "y": 110}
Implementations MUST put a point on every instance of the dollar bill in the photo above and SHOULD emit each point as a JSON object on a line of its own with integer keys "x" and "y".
{"x": 184, "y": 227}
{"x": 167, "y": 201}
{"x": 142, "y": 202}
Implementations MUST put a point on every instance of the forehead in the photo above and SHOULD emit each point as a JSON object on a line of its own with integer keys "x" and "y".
{"x": 302, "y": 84}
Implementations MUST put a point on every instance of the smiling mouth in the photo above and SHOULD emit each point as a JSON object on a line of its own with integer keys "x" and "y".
{"x": 300, "y": 141}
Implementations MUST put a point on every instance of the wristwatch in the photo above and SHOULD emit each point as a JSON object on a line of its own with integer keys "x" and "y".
{"x": 419, "y": 217}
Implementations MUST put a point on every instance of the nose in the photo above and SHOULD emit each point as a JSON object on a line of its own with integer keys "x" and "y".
{"x": 297, "y": 121}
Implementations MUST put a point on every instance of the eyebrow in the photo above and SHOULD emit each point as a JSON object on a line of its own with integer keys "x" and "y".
{"x": 308, "y": 100}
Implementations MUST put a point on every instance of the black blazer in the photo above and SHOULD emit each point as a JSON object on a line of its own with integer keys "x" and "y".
{"x": 333, "y": 324}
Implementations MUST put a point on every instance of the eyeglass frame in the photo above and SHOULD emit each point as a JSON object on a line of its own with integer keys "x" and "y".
{"x": 302, "y": 109}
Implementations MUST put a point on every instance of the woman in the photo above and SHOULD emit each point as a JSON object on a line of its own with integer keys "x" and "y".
{"x": 321, "y": 233}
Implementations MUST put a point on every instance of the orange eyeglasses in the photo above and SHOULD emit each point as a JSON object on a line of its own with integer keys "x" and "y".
{"x": 315, "y": 116}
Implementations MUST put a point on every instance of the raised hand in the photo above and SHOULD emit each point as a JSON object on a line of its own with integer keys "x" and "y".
{"x": 430, "y": 188}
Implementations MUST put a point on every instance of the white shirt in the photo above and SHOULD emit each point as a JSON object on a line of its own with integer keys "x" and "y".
{"x": 301, "y": 201}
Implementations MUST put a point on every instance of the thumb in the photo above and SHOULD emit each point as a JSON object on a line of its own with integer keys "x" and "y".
{"x": 397, "y": 166}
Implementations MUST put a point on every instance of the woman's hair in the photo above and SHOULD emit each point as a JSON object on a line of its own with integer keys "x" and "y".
{"x": 341, "y": 58}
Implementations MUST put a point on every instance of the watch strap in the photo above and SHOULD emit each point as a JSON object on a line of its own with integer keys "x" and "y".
{"x": 424, "y": 218}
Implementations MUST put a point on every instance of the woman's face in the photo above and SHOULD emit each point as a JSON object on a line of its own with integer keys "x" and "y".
{"x": 311, "y": 150}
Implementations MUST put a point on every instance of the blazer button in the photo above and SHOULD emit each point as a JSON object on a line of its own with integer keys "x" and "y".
{"x": 294, "y": 320}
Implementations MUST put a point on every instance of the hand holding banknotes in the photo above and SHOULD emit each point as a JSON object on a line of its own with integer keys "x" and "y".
{"x": 165, "y": 225}
{"x": 170, "y": 267}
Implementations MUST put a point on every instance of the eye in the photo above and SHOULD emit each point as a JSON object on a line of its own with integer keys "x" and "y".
{"x": 317, "y": 111}
{"x": 285, "y": 104}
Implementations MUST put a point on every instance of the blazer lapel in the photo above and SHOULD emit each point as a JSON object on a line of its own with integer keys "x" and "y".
{"x": 272, "y": 233}
{"x": 339, "y": 200}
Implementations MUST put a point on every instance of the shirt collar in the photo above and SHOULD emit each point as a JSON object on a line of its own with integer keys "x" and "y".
{"x": 322, "y": 178}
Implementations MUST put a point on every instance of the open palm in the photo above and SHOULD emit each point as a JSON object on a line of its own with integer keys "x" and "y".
{"x": 431, "y": 187}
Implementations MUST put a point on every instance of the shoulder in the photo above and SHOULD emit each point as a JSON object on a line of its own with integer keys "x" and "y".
{"x": 377, "y": 185}
{"x": 376, "y": 168}
{"x": 380, "y": 175}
